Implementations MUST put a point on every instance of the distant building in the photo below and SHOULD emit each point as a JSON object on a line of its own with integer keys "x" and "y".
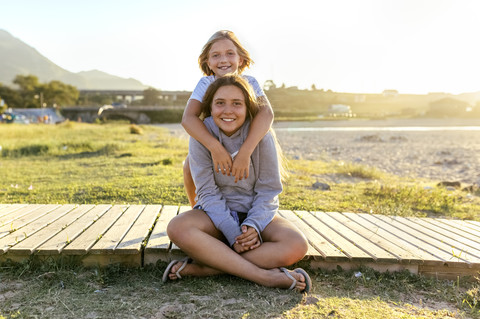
{"x": 360, "y": 98}
{"x": 390, "y": 93}
{"x": 340, "y": 110}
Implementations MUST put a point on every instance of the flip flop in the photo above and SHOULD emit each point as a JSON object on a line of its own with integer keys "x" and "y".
{"x": 185, "y": 261}
{"x": 308, "y": 281}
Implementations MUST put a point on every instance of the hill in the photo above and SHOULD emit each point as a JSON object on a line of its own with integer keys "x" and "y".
{"x": 17, "y": 57}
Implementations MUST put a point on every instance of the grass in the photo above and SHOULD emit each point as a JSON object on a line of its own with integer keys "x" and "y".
{"x": 359, "y": 188}
{"x": 82, "y": 163}
{"x": 43, "y": 289}
{"x": 117, "y": 163}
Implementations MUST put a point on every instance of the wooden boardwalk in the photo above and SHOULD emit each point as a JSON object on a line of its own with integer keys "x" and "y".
{"x": 135, "y": 235}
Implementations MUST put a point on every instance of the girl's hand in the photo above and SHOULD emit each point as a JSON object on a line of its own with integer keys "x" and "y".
{"x": 249, "y": 238}
{"x": 222, "y": 161}
{"x": 239, "y": 248}
{"x": 241, "y": 165}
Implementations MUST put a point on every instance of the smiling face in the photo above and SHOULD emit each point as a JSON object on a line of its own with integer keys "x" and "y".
{"x": 229, "y": 110}
{"x": 223, "y": 58}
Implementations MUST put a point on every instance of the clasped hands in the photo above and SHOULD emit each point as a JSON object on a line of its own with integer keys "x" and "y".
{"x": 248, "y": 240}
{"x": 223, "y": 163}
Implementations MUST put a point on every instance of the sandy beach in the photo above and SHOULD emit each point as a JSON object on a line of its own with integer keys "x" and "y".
{"x": 437, "y": 149}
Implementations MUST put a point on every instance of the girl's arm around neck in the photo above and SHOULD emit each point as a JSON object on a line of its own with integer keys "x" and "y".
{"x": 197, "y": 129}
{"x": 261, "y": 124}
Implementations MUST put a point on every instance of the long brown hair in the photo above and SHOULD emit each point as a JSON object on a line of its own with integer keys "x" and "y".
{"x": 234, "y": 80}
{"x": 220, "y": 35}
{"x": 252, "y": 109}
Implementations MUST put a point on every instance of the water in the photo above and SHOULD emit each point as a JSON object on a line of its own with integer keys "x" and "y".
{"x": 373, "y": 128}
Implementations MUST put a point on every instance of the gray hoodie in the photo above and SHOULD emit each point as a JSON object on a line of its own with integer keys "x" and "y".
{"x": 218, "y": 195}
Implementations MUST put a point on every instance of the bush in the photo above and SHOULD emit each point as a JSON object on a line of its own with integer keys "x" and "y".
{"x": 135, "y": 129}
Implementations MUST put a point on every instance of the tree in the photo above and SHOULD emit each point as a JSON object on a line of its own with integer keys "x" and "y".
{"x": 58, "y": 93}
{"x": 28, "y": 89}
{"x": 269, "y": 85}
{"x": 10, "y": 97}
{"x": 26, "y": 83}
{"x": 151, "y": 97}
{"x": 33, "y": 94}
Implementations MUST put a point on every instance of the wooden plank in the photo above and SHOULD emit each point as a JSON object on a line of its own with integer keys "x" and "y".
{"x": 10, "y": 209}
{"x": 471, "y": 224}
{"x": 184, "y": 209}
{"x": 432, "y": 246}
{"x": 448, "y": 232}
{"x": 459, "y": 224}
{"x": 429, "y": 256}
{"x": 127, "y": 260}
{"x": 9, "y": 217}
{"x": 4, "y": 207}
{"x": 444, "y": 272}
{"x": 132, "y": 242}
{"x": 29, "y": 245}
{"x": 378, "y": 254}
{"x": 369, "y": 233}
{"x": 353, "y": 265}
{"x": 450, "y": 246}
{"x": 26, "y": 219}
{"x": 315, "y": 241}
{"x": 444, "y": 228}
{"x": 83, "y": 243}
{"x": 304, "y": 228}
{"x": 315, "y": 221}
{"x": 420, "y": 255}
{"x": 474, "y": 223}
{"x": 45, "y": 217}
{"x": 159, "y": 240}
{"x": 107, "y": 243}
{"x": 57, "y": 243}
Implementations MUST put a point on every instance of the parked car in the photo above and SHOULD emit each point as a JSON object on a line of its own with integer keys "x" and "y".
{"x": 8, "y": 117}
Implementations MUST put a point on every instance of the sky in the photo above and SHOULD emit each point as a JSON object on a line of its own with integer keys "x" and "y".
{"x": 358, "y": 46}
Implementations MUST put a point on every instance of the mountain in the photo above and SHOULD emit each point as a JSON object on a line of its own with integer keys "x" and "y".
{"x": 17, "y": 57}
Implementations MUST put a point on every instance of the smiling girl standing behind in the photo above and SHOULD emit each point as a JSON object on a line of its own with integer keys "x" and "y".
{"x": 221, "y": 55}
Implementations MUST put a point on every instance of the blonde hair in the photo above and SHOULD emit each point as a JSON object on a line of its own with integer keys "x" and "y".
{"x": 220, "y": 35}
{"x": 251, "y": 105}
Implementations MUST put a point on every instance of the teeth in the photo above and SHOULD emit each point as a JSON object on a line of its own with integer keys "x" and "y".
{"x": 228, "y": 120}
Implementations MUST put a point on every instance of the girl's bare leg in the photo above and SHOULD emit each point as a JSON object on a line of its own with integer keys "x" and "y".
{"x": 195, "y": 234}
{"x": 188, "y": 182}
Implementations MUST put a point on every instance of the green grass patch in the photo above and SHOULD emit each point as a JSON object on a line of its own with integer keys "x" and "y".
{"x": 90, "y": 163}
{"x": 117, "y": 163}
{"x": 363, "y": 189}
